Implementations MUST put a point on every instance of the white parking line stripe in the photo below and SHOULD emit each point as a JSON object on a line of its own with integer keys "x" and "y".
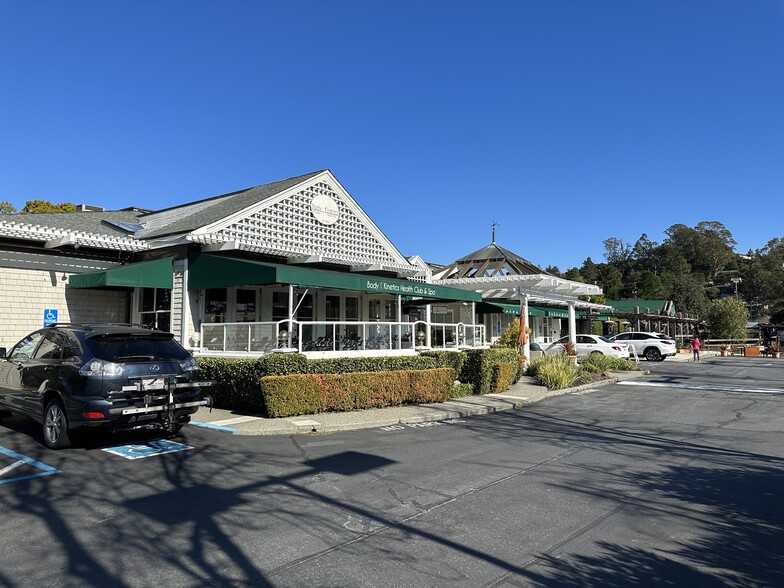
{"x": 703, "y": 387}
{"x": 13, "y": 466}
{"x": 235, "y": 421}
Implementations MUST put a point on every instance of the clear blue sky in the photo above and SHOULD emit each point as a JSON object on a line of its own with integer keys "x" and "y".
{"x": 567, "y": 122}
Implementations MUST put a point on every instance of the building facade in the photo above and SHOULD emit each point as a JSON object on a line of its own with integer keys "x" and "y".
{"x": 291, "y": 265}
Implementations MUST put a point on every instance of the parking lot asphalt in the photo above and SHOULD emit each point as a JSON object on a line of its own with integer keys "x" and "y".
{"x": 523, "y": 393}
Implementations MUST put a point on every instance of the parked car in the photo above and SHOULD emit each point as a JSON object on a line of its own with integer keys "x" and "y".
{"x": 588, "y": 344}
{"x": 117, "y": 377}
{"x": 652, "y": 346}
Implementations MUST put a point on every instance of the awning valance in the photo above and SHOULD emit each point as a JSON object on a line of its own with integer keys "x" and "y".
{"x": 145, "y": 274}
{"x": 211, "y": 271}
{"x": 486, "y": 307}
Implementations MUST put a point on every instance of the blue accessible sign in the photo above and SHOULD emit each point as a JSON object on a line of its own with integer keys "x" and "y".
{"x": 146, "y": 449}
{"x": 50, "y": 316}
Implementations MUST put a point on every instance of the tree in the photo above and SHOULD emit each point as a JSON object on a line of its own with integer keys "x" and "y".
{"x": 617, "y": 252}
{"x": 573, "y": 274}
{"x": 727, "y": 318}
{"x": 589, "y": 271}
{"x": 7, "y": 208}
{"x": 36, "y": 206}
{"x": 649, "y": 286}
{"x": 610, "y": 279}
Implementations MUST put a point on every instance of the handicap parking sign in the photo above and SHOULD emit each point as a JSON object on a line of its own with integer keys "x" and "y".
{"x": 146, "y": 449}
{"x": 50, "y": 316}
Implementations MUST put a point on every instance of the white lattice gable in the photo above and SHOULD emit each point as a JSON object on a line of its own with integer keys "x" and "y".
{"x": 287, "y": 225}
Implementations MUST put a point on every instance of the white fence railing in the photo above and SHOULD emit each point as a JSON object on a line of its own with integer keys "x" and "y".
{"x": 334, "y": 336}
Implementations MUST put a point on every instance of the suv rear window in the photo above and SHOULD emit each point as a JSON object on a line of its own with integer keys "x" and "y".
{"x": 134, "y": 348}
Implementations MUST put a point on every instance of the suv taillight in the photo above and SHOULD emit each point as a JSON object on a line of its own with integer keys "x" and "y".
{"x": 100, "y": 367}
{"x": 188, "y": 365}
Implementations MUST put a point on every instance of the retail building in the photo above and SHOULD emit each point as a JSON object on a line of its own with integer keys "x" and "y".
{"x": 294, "y": 264}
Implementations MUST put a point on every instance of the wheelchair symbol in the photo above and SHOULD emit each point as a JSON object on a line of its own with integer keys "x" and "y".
{"x": 51, "y": 316}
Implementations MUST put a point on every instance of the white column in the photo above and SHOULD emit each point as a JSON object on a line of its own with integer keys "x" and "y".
{"x": 572, "y": 324}
{"x": 291, "y": 313}
{"x": 186, "y": 308}
{"x": 428, "y": 330}
{"x": 527, "y": 346}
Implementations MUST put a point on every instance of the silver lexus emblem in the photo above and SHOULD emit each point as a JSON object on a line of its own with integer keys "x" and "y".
{"x": 155, "y": 368}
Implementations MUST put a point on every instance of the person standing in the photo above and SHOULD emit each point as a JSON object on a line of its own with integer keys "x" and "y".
{"x": 695, "y": 347}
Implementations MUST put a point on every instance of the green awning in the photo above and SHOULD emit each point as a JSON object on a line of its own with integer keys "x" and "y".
{"x": 544, "y": 311}
{"x": 146, "y": 274}
{"x": 486, "y": 307}
{"x": 211, "y": 271}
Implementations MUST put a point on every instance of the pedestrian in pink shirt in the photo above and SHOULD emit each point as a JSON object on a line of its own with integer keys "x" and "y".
{"x": 695, "y": 347}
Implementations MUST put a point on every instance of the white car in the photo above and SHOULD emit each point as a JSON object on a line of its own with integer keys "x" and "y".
{"x": 652, "y": 346}
{"x": 588, "y": 344}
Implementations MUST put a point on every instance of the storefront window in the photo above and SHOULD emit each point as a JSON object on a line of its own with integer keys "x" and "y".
{"x": 305, "y": 310}
{"x": 374, "y": 310}
{"x": 245, "y": 306}
{"x": 280, "y": 306}
{"x": 215, "y": 305}
{"x": 352, "y": 308}
{"x": 332, "y": 308}
{"x": 155, "y": 308}
{"x": 390, "y": 310}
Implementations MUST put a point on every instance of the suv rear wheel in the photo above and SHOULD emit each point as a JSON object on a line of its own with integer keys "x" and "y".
{"x": 652, "y": 354}
{"x": 55, "y": 426}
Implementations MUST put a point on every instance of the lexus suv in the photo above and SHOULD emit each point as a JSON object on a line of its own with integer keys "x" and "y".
{"x": 118, "y": 377}
{"x": 652, "y": 346}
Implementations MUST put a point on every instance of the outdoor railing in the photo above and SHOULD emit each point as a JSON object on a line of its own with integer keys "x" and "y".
{"x": 334, "y": 336}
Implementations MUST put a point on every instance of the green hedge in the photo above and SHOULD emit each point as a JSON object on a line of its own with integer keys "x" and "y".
{"x": 237, "y": 380}
{"x": 349, "y": 365}
{"x": 451, "y": 359}
{"x": 311, "y": 393}
{"x": 502, "y": 377}
{"x": 479, "y": 364}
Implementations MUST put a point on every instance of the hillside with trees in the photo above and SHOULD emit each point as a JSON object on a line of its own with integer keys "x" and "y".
{"x": 693, "y": 266}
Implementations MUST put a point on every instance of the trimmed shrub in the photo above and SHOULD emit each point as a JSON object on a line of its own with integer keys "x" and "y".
{"x": 349, "y": 365}
{"x": 479, "y": 363}
{"x": 600, "y": 364}
{"x": 292, "y": 395}
{"x": 451, "y": 359}
{"x": 237, "y": 384}
{"x": 554, "y": 371}
{"x": 459, "y": 390}
{"x": 502, "y": 377}
{"x": 310, "y": 393}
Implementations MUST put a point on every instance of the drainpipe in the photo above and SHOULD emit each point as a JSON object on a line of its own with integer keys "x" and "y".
{"x": 572, "y": 324}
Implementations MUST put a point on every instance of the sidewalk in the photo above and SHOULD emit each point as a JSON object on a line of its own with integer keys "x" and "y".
{"x": 523, "y": 393}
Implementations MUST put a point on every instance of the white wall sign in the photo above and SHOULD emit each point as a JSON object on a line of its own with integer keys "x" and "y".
{"x": 325, "y": 209}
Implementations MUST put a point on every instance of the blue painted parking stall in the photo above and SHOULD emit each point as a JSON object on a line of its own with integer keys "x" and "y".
{"x": 15, "y": 467}
{"x": 145, "y": 449}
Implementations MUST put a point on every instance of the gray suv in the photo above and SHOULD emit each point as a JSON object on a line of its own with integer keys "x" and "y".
{"x": 116, "y": 377}
{"x": 652, "y": 346}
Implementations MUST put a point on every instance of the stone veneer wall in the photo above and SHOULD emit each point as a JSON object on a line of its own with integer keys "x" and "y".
{"x": 26, "y": 293}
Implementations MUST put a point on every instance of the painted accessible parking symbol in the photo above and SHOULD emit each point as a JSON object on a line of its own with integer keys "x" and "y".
{"x": 146, "y": 449}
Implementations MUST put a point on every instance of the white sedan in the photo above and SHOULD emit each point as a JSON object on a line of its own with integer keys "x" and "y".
{"x": 588, "y": 344}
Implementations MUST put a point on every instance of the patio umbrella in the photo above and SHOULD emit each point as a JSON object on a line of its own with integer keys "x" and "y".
{"x": 522, "y": 338}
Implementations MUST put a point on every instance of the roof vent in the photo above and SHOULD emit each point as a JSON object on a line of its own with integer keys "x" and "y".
{"x": 89, "y": 208}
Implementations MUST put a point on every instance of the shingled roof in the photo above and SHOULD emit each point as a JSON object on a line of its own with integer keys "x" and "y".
{"x": 490, "y": 261}
{"x": 194, "y": 215}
